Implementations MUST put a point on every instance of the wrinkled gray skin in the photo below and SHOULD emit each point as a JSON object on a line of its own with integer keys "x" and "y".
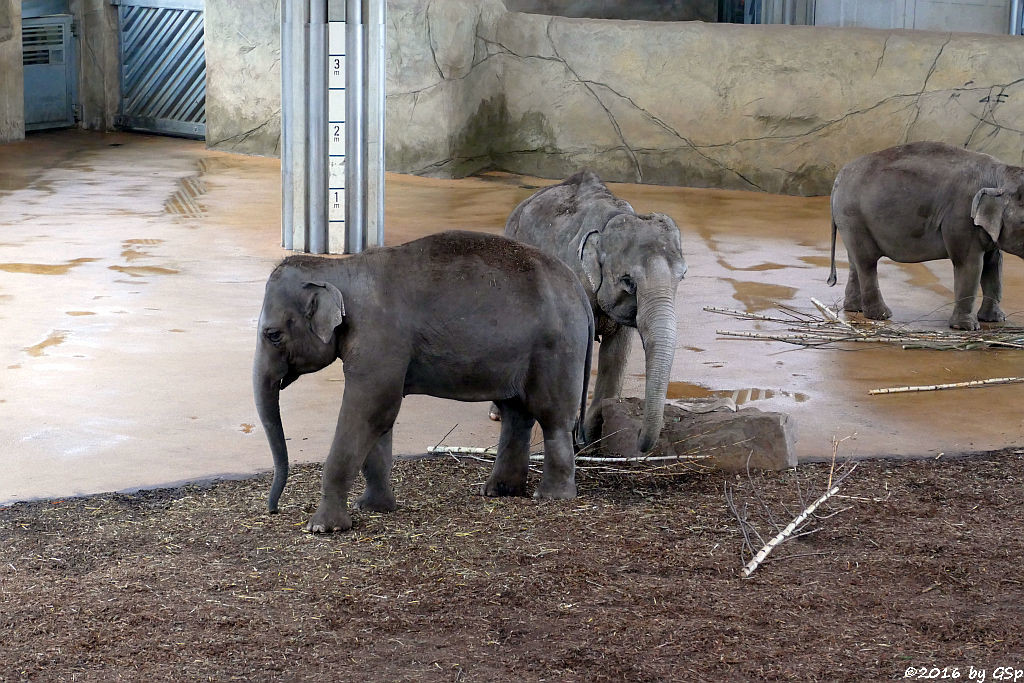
{"x": 630, "y": 265}
{"x": 926, "y": 201}
{"x": 459, "y": 315}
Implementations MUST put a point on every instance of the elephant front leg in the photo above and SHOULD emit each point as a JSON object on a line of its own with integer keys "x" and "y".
{"x": 378, "y": 496}
{"x": 992, "y": 287}
{"x": 512, "y": 464}
{"x": 966, "y": 278}
{"x": 611, "y": 368}
{"x": 364, "y": 419}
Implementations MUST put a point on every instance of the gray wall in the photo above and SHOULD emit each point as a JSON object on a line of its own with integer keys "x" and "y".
{"x": 99, "y": 58}
{"x": 243, "y": 76}
{"x": 12, "y": 89}
{"x": 775, "y": 108}
{"x": 981, "y": 16}
{"x": 646, "y": 10}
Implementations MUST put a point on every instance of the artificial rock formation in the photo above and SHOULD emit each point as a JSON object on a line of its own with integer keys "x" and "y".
{"x": 732, "y": 441}
{"x": 774, "y": 108}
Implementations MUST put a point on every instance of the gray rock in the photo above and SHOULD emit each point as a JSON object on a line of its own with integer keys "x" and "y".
{"x": 734, "y": 440}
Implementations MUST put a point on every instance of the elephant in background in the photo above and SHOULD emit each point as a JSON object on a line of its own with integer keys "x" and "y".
{"x": 459, "y": 315}
{"x": 926, "y": 201}
{"x": 630, "y": 266}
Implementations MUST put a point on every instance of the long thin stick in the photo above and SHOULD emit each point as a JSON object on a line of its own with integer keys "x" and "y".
{"x": 954, "y": 385}
{"x": 475, "y": 450}
{"x": 782, "y": 535}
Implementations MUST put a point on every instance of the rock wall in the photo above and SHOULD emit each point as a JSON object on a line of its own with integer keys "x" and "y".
{"x": 12, "y": 89}
{"x": 243, "y": 76}
{"x": 773, "y": 108}
{"x": 643, "y": 10}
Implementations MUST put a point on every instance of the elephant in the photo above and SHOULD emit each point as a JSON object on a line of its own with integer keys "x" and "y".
{"x": 630, "y": 265}
{"x": 925, "y": 201}
{"x": 459, "y": 315}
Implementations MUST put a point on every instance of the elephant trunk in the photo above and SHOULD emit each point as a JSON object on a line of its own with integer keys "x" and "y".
{"x": 266, "y": 386}
{"x": 656, "y": 322}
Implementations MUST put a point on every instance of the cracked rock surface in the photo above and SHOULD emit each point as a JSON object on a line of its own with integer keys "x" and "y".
{"x": 773, "y": 108}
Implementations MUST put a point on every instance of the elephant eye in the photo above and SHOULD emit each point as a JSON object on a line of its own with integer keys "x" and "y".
{"x": 627, "y": 284}
{"x": 273, "y": 336}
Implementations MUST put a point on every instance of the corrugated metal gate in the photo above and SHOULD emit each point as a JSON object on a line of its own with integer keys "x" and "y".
{"x": 163, "y": 66}
{"x": 48, "y": 56}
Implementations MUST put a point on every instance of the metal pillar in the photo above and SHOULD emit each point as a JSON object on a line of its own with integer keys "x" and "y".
{"x": 1016, "y": 17}
{"x": 316, "y": 131}
{"x": 376, "y": 79}
{"x": 294, "y": 53}
{"x": 310, "y": 121}
{"x": 355, "y": 135}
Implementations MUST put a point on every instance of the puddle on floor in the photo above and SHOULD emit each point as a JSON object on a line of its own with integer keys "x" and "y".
{"x": 143, "y": 271}
{"x": 759, "y": 296}
{"x": 758, "y": 267}
{"x": 56, "y": 338}
{"x": 78, "y": 313}
{"x": 43, "y": 268}
{"x": 684, "y": 390}
{"x": 185, "y": 202}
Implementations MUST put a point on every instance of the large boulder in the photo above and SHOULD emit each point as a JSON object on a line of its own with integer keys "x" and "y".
{"x": 733, "y": 440}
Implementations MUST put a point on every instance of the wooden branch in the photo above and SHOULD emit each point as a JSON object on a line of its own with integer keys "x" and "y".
{"x": 785, "y": 533}
{"x": 473, "y": 450}
{"x": 954, "y": 385}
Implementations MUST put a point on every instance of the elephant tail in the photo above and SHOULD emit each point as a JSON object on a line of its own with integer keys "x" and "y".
{"x": 832, "y": 272}
{"x": 580, "y": 431}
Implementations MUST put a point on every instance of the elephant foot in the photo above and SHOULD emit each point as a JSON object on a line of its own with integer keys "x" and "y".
{"x": 325, "y": 521}
{"x": 376, "y": 503}
{"x": 964, "y": 321}
{"x": 564, "y": 491}
{"x": 852, "y": 305}
{"x": 494, "y": 413}
{"x": 877, "y": 312}
{"x": 991, "y": 314}
{"x": 500, "y": 489}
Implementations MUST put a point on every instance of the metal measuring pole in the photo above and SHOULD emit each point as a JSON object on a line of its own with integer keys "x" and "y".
{"x": 316, "y": 132}
{"x": 355, "y": 135}
{"x": 294, "y": 56}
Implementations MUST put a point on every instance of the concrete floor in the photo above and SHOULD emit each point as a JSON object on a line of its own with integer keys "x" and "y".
{"x": 131, "y": 277}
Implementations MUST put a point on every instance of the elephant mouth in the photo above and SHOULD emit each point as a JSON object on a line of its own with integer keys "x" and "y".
{"x": 289, "y": 377}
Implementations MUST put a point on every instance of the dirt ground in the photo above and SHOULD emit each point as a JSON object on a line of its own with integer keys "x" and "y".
{"x": 913, "y": 564}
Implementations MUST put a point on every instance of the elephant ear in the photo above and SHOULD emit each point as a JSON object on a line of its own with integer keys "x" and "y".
{"x": 590, "y": 258}
{"x": 987, "y": 210}
{"x": 325, "y": 309}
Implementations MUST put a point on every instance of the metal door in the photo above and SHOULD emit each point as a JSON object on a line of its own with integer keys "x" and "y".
{"x": 48, "y": 56}
{"x": 163, "y": 66}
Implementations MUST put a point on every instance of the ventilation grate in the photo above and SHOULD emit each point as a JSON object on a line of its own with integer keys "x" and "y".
{"x": 42, "y": 44}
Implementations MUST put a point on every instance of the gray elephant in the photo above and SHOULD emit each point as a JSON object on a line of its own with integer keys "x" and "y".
{"x": 630, "y": 265}
{"x": 926, "y": 201}
{"x": 459, "y": 315}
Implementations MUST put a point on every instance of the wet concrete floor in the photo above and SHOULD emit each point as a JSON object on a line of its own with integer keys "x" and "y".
{"x": 131, "y": 277}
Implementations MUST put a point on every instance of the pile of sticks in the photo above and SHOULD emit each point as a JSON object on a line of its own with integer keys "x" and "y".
{"x": 826, "y": 328}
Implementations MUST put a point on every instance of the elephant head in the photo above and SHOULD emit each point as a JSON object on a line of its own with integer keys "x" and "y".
{"x": 999, "y": 211}
{"x": 634, "y": 265}
{"x": 296, "y": 336}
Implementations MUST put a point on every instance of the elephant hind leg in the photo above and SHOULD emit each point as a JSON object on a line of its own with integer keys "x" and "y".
{"x": 992, "y": 288}
{"x": 511, "y": 466}
{"x": 559, "y": 478}
{"x": 851, "y": 299}
{"x": 378, "y": 496}
{"x": 872, "y": 304}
